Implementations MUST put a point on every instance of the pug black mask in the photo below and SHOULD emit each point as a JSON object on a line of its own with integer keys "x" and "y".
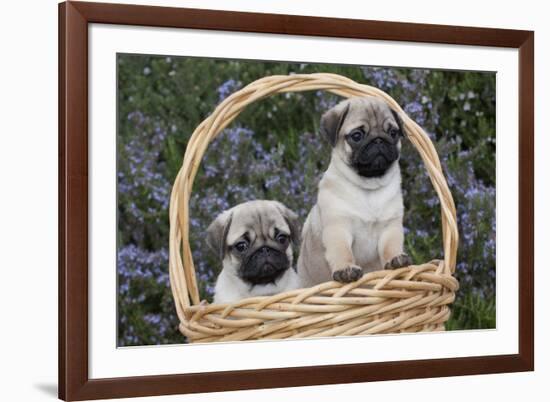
{"x": 263, "y": 265}
{"x": 366, "y": 133}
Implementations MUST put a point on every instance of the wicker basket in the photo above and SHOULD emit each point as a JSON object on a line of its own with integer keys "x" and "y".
{"x": 410, "y": 299}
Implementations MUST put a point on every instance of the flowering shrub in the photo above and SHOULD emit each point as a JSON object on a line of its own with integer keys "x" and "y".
{"x": 273, "y": 151}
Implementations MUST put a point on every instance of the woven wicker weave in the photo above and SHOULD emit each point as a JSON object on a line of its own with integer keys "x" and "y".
{"x": 410, "y": 299}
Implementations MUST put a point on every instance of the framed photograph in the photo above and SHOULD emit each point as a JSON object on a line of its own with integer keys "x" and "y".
{"x": 263, "y": 200}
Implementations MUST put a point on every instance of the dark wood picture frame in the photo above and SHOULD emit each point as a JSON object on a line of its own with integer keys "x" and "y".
{"x": 74, "y": 382}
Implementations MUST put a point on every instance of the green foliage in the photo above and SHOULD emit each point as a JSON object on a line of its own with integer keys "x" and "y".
{"x": 472, "y": 311}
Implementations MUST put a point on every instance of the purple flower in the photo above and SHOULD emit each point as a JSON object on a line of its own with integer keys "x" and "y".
{"x": 227, "y": 88}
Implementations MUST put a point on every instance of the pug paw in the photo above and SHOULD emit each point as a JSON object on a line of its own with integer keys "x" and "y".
{"x": 399, "y": 261}
{"x": 348, "y": 274}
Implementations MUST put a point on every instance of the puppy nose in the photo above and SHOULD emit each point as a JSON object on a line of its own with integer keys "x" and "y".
{"x": 265, "y": 250}
{"x": 378, "y": 140}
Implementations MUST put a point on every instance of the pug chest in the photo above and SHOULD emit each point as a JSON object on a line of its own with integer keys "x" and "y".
{"x": 375, "y": 211}
{"x": 365, "y": 244}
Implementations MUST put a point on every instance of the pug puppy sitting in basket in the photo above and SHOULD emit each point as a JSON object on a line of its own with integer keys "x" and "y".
{"x": 255, "y": 242}
{"x": 356, "y": 226}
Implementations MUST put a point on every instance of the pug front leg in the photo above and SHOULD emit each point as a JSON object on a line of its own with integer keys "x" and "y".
{"x": 390, "y": 247}
{"x": 338, "y": 254}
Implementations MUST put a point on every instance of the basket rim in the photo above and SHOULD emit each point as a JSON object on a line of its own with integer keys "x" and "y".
{"x": 290, "y": 315}
{"x": 181, "y": 267}
{"x": 341, "y": 290}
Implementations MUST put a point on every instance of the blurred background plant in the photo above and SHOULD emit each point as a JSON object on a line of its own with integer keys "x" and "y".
{"x": 273, "y": 151}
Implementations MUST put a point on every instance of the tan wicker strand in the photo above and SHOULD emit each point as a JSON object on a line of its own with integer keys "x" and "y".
{"x": 411, "y": 299}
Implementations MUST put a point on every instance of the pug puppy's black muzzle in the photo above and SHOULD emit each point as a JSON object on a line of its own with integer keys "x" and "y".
{"x": 374, "y": 158}
{"x": 264, "y": 266}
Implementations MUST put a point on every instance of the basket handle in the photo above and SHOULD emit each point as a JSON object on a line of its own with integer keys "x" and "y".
{"x": 182, "y": 270}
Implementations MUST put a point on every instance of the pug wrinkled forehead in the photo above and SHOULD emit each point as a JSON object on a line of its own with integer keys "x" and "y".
{"x": 366, "y": 113}
{"x": 261, "y": 221}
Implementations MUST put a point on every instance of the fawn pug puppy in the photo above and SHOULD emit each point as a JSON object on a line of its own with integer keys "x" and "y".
{"x": 356, "y": 224}
{"x": 255, "y": 242}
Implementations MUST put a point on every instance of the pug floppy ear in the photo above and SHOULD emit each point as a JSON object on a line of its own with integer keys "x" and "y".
{"x": 292, "y": 221}
{"x": 331, "y": 122}
{"x": 399, "y": 121}
{"x": 216, "y": 234}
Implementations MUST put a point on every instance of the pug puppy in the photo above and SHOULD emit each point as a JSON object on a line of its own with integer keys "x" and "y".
{"x": 254, "y": 241}
{"x": 356, "y": 226}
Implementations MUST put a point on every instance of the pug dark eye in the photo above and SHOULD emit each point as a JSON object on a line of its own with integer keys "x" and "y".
{"x": 241, "y": 246}
{"x": 282, "y": 238}
{"x": 394, "y": 132}
{"x": 356, "y": 135}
